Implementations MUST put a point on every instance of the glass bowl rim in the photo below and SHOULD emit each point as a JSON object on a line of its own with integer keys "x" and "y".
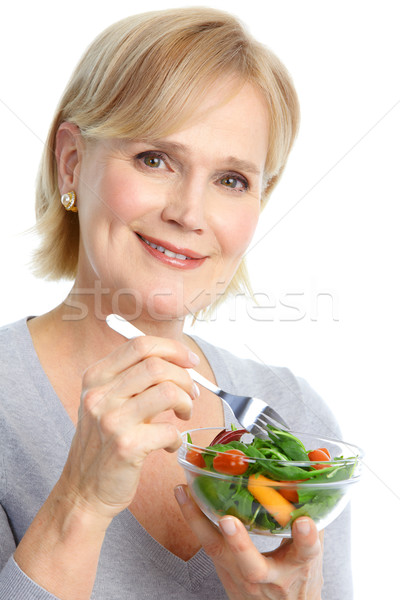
{"x": 356, "y": 459}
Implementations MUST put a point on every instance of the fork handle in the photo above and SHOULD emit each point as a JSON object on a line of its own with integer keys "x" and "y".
{"x": 203, "y": 381}
{"x": 129, "y": 331}
{"x": 123, "y": 327}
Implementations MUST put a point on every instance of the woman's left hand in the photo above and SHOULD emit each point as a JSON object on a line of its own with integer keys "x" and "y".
{"x": 291, "y": 572}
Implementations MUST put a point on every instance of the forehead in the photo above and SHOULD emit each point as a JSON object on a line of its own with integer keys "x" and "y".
{"x": 229, "y": 121}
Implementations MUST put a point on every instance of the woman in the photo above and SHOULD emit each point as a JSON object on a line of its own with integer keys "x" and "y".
{"x": 170, "y": 136}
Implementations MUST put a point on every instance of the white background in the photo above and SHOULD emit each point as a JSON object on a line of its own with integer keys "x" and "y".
{"x": 325, "y": 257}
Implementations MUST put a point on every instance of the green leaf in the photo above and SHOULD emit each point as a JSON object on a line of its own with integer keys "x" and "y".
{"x": 265, "y": 521}
{"x": 281, "y": 472}
{"x": 252, "y": 452}
{"x": 208, "y": 459}
{"x": 288, "y": 443}
{"x": 213, "y": 492}
{"x": 316, "y": 504}
{"x": 242, "y": 502}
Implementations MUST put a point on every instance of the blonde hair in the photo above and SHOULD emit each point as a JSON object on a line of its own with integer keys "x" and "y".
{"x": 143, "y": 77}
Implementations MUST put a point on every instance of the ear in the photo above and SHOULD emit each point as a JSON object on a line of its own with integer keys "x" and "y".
{"x": 69, "y": 152}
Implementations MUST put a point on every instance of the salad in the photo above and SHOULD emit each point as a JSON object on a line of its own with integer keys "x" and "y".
{"x": 267, "y": 483}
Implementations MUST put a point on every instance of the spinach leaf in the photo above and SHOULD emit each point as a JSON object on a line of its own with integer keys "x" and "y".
{"x": 288, "y": 443}
{"x": 316, "y": 504}
{"x": 253, "y": 452}
{"x": 208, "y": 459}
{"x": 282, "y": 472}
{"x": 334, "y": 472}
{"x": 267, "y": 449}
{"x": 225, "y": 497}
{"x": 241, "y": 504}
{"x": 265, "y": 521}
{"x": 213, "y": 492}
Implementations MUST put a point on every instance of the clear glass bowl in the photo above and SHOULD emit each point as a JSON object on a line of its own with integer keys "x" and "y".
{"x": 280, "y": 502}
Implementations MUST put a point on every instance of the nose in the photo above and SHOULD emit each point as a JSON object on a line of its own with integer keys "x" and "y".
{"x": 186, "y": 204}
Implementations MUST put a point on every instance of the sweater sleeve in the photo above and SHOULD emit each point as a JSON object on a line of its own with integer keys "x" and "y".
{"x": 13, "y": 582}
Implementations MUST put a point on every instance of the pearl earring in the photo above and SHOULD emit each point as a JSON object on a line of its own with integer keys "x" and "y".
{"x": 68, "y": 201}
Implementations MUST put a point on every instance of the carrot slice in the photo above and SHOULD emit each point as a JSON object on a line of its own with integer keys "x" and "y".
{"x": 273, "y": 502}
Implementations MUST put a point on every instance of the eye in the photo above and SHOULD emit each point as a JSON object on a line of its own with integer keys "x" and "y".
{"x": 234, "y": 182}
{"x": 151, "y": 159}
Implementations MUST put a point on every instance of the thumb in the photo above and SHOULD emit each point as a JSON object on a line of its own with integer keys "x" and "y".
{"x": 306, "y": 541}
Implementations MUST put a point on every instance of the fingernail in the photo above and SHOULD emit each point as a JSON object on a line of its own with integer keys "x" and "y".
{"x": 194, "y": 359}
{"x": 180, "y": 495}
{"x": 196, "y": 391}
{"x": 303, "y": 526}
{"x": 228, "y": 526}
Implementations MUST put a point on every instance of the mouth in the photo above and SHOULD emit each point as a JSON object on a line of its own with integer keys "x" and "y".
{"x": 170, "y": 250}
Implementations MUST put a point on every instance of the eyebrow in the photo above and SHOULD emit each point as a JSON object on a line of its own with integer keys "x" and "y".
{"x": 242, "y": 165}
{"x": 233, "y": 161}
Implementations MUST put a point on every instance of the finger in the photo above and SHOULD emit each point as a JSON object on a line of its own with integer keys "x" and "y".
{"x": 134, "y": 351}
{"x": 150, "y": 372}
{"x": 141, "y": 377}
{"x": 306, "y": 540}
{"x": 159, "y": 436}
{"x": 123, "y": 418}
{"x": 157, "y": 399}
{"x": 232, "y": 551}
{"x": 133, "y": 447}
{"x": 321, "y": 539}
{"x": 253, "y": 567}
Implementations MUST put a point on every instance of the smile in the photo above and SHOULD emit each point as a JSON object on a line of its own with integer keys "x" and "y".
{"x": 164, "y": 250}
{"x": 178, "y": 258}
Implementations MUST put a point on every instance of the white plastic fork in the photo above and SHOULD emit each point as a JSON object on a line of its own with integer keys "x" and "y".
{"x": 253, "y": 414}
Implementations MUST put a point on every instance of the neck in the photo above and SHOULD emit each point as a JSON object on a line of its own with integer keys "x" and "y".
{"x": 84, "y": 311}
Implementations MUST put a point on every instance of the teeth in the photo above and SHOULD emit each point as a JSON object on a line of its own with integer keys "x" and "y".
{"x": 164, "y": 250}
{"x": 169, "y": 253}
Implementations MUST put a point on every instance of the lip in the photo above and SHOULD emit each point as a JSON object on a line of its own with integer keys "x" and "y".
{"x": 168, "y": 246}
{"x": 193, "y": 260}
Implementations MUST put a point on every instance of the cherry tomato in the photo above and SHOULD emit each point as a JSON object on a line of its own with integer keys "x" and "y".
{"x": 195, "y": 458}
{"x": 291, "y": 493}
{"x": 231, "y": 462}
{"x": 326, "y": 451}
{"x": 319, "y": 454}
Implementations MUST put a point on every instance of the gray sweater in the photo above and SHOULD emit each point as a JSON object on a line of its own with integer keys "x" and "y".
{"x": 35, "y": 436}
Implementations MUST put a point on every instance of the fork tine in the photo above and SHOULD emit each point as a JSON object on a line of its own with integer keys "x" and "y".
{"x": 255, "y": 428}
{"x": 270, "y": 416}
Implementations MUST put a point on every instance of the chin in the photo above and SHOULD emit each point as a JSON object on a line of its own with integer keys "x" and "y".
{"x": 165, "y": 305}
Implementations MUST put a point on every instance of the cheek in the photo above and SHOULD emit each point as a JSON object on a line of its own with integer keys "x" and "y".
{"x": 124, "y": 199}
{"x": 127, "y": 197}
{"x": 238, "y": 230}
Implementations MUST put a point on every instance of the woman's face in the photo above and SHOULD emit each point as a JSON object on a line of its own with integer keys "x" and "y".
{"x": 194, "y": 194}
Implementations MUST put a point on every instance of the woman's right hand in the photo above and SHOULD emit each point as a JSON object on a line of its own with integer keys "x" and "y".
{"x": 121, "y": 396}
